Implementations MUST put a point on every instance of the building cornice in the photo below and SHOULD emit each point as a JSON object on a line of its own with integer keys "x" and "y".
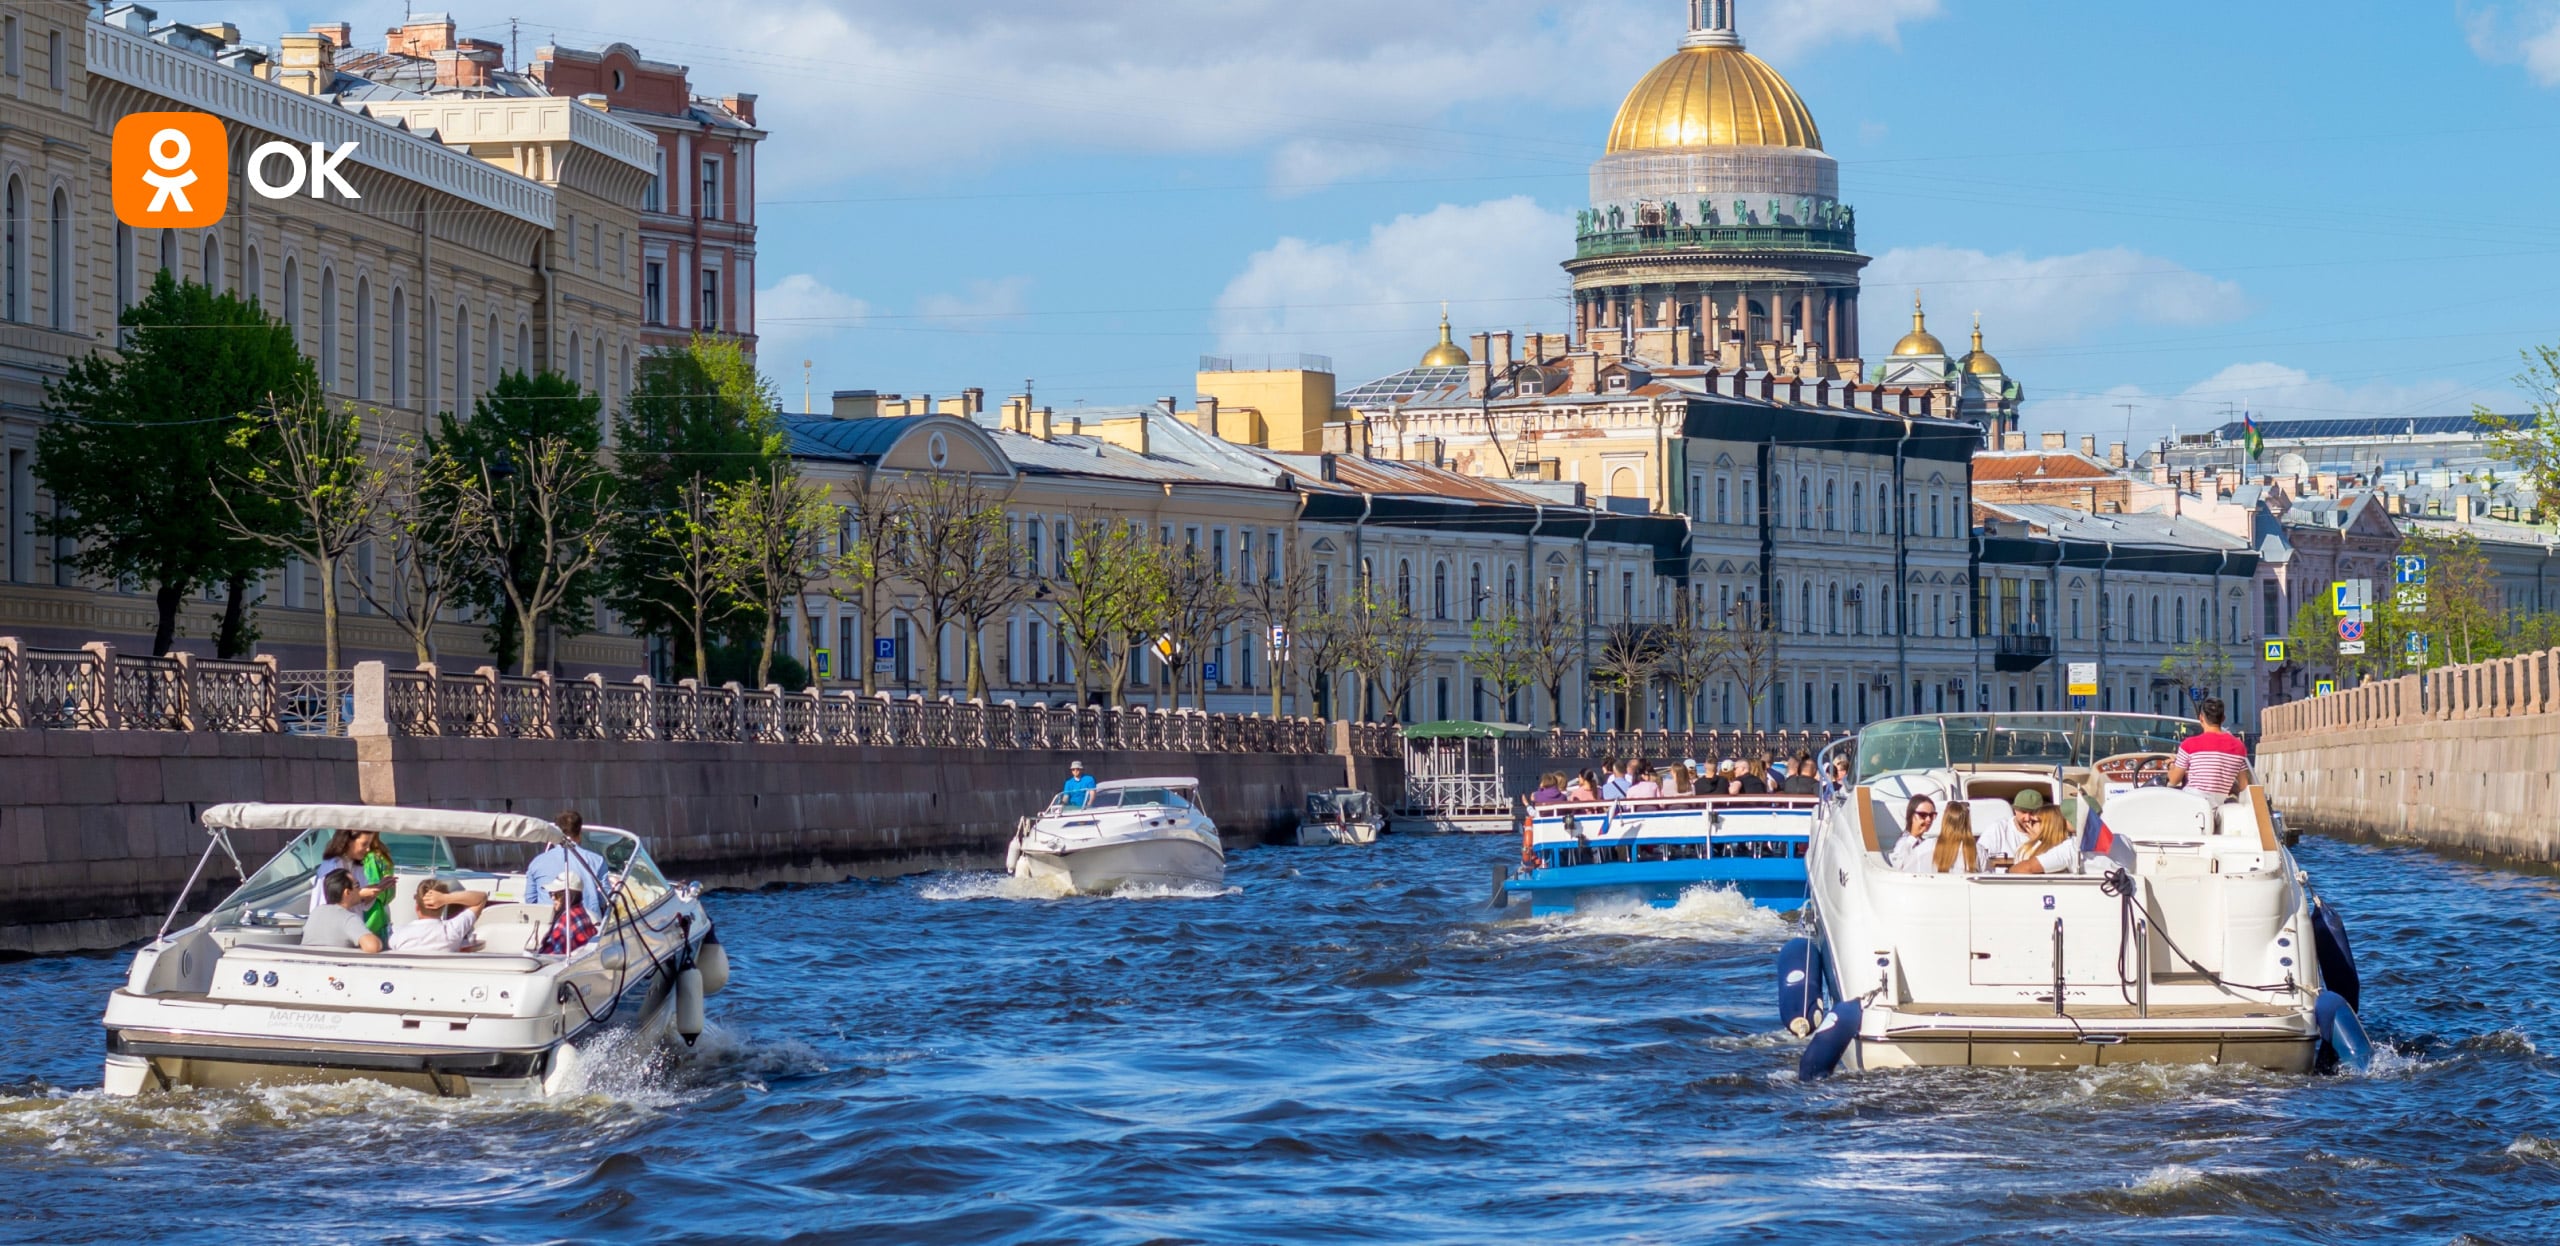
{"x": 539, "y": 119}
{"x": 182, "y": 77}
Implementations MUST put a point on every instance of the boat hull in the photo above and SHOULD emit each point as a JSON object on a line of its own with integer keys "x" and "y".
{"x": 1171, "y": 863}
{"x": 1772, "y": 883}
{"x": 1321, "y": 834}
{"x": 2091, "y": 1038}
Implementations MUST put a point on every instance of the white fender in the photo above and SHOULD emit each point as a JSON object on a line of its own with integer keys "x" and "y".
{"x": 689, "y": 1005}
{"x": 713, "y": 960}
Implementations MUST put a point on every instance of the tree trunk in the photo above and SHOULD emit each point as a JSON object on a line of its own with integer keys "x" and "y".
{"x": 930, "y": 658}
{"x": 977, "y": 685}
{"x": 764, "y": 651}
{"x": 328, "y": 568}
{"x": 233, "y": 638}
{"x": 701, "y": 659}
{"x": 164, "y": 636}
{"x": 526, "y": 625}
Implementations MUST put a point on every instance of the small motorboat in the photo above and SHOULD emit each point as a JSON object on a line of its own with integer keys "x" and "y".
{"x": 1654, "y": 850}
{"x": 236, "y": 1000}
{"x": 1124, "y": 833}
{"x": 1342, "y": 815}
{"x": 2187, "y": 933}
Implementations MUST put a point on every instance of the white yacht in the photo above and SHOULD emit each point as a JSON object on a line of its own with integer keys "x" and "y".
{"x": 1124, "y": 833}
{"x": 235, "y": 999}
{"x": 1341, "y": 815}
{"x": 2187, "y": 933}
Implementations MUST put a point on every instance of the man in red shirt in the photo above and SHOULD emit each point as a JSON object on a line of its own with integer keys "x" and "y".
{"x": 2213, "y": 764}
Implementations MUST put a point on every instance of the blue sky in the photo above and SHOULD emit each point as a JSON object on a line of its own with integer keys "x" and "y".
{"x": 2304, "y": 210}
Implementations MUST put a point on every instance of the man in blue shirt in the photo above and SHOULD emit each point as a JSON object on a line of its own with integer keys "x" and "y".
{"x": 1079, "y": 787}
{"x": 583, "y": 867}
{"x": 1619, "y": 781}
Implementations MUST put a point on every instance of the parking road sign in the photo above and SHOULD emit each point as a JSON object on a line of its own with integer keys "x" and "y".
{"x": 2410, "y": 568}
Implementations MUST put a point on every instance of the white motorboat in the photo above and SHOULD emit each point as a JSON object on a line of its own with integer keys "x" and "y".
{"x": 1124, "y": 833}
{"x": 1341, "y": 815}
{"x": 2188, "y": 934}
{"x": 236, "y": 1000}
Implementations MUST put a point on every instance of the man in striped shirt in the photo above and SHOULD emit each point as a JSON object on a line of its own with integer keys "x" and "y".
{"x": 2213, "y": 764}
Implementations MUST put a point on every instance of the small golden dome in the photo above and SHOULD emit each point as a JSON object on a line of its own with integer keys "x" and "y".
{"x": 1447, "y": 354}
{"x": 1980, "y": 362}
{"x": 1713, "y": 96}
{"x": 1919, "y": 341}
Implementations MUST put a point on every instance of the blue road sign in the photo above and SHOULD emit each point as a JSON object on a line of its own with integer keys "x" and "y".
{"x": 2351, "y": 628}
{"x": 884, "y": 649}
{"x": 2410, "y": 568}
{"x": 1209, "y": 672}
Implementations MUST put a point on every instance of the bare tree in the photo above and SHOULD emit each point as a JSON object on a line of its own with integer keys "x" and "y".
{"x": 996, "y": 582}
{"x": 1551, "y": 639}
{"x": 689, "y": 541}
{"x": 1629, "y": 658}
{"x": 1198, "y": 604}
{"x": 535, "y": 526}
{"x": 768, "y": 545}
{"x": 1692, "y": 653}
{"x": 1750, "y": 656}
{"x": 941, "y": 522}
{"x": 1320, "y": 647}
{"x": 1390, "y": 650}
{"x": 867, "y": 562}
{"x": 430, "y": 550}
{"x": 1278, "y": 606}
{"x": 1100, "y": 592}
{"x": 1502, "y": 654}
{"x": 313, "y": 490}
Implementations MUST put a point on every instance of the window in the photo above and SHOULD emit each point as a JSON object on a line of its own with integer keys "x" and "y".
{"x": 1697, "y": 495}
{"x": 364, "y": 338}
{"x": 124, "y": 270}
{"x": 1857, "y": 506}
{"x": 328, "y": 330}
{"x": 1439, "y": 590}
{"x": 1805, "y": 620}
{"x": 574, "y": 358}
{"x": 12, "y": 46}
{"x": 2075, "y": 618}
{"x": 1804, "y": 503}
{"x": 653, "y": 197}
{"x": 253, "y": 276}
{"x": 1777, "y": 501}
{"x": 1724, "y": 500}
{"x": 710, "y": 189}
{"x": 653, "y": 293}
{"x": 1626, "y": 594}
{"x": 13, "y": 266}
{"x": 1511, "y": 590}
{"x": 1271, "y": 568}
{"x": 1475, "y": 591}
{"x": 709, "y": 317}
{"x": 1934, "y": 528}
{"x": 2156, "y": 633}
{"x": 399, "y": 347}
{"x": 53, "y": 61}
{"x": 1404, "y": 585}
{"x": 291, "y": 297}
{"x": 61, "y": 240}
{"x": 2181, "y": 611}
{"x": 524, "y": 353}
{"x": 211, "y": 258}
{"x": 1831, "y": 506}
{"x": 461, "y": 359}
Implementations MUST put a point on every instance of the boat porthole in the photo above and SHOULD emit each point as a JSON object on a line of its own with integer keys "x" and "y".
{"x": 250, "y": 978}
{"x": 386, "y": 988}
{"x": 271, "y": 977}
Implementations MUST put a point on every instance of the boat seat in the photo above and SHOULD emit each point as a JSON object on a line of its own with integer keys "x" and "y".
{"x": 1989, "y": 812}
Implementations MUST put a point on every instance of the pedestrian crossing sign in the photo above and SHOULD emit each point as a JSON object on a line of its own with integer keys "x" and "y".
{"x": 2323, "y": 687}
{"x": 2275, "y": 651}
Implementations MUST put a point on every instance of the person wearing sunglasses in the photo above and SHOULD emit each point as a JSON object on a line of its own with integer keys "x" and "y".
{"x": 1919, "y": 837}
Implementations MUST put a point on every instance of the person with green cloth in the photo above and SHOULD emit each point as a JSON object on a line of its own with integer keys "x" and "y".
{"x": 361, "y": 856}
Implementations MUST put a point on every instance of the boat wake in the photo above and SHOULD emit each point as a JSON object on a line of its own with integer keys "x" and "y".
{"x": 1705, "y": 912}
{"x": 991, "y": 886}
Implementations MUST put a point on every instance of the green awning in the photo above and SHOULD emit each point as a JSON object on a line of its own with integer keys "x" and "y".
{"x": 1461, "y": 730}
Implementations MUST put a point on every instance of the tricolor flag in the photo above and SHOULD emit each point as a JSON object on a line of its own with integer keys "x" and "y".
{"x": 2249, "y": 436}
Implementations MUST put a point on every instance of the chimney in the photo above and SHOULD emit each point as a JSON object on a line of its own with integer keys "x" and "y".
{"x": 244, "y": 58}
{"x": 1501, "y": 356}
{"x": 1017, "y": 414}
{"x": 2013, "y": 441}
{"x": 743, "y": 105}
{"x": 1479, "y": 375}
{"x": 974, "y": 401}
{"x": 1044, "y": 423}
{"x": 1476, "y": 348}
{"x": 339, "y": 34}
{"x": 305, "y": 63}
{"x": 1168, "y": 404}
{"x": 854, "y": 404}
{"x": 227, "y": 33}
{"x": 2057, "y": 442}
{"x": 1586, "y": 371}
{"x": 2115, "y": 455}
{"x": 421, "y": 37}
{"x": 2462, "y": 508}
{"x": 2088, "y": 447}
{"x": 1205, "y": 413}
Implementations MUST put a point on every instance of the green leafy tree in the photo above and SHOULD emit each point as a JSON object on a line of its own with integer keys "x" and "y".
{"x": 1499, "y": 651}
{"x": 137, "y": 442}
{"x": 688, "y": 567}
{"x": 769, "y": 544}
{"x": 1099, "y": 592}
{"x": 2200, "y": 663}
{"x": 698, "y": 412}
{"x": 314, "y": 490}
{"x": 521, "y": 419}
{"x": 2531, "y": 441}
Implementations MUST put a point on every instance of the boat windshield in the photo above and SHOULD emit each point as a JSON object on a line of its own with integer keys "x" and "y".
{"x": 1133, "y": 797}
{"x": 1328, "y": 805}
{"x": 283, "y": 884}
{"x": 1936, "y": 743}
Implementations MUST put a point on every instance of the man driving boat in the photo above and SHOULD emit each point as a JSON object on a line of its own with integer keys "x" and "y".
{"x": 2214, "y": 763}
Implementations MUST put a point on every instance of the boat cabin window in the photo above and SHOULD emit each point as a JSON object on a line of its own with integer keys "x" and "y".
{"x": 1134, "y": 797}
{"x": 283, "y": 885}
{"x": 1338, "y": 804}
{"x": 642, "y": 884}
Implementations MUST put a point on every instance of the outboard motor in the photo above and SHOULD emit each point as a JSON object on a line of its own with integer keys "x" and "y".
{"x": 1799, "y": 985}
{"x": 1831, "y": 1042}
{"x": 2337, "y": 957}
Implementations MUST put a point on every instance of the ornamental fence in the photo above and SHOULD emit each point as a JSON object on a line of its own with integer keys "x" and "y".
{"x": 2498, "y": 688}
{"x": 95, "y": 688}
{"x": 1708, "y": 747}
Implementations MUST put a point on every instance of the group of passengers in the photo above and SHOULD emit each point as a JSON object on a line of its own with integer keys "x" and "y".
{"x": 351, "y": 896}
{"x": 1635, "y": 778}
{"x": 2036, "y": 838}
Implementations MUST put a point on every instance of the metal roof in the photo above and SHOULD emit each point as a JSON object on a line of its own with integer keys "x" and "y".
{"x": 846, "y": 441}
{"x": 2369, "y": 426}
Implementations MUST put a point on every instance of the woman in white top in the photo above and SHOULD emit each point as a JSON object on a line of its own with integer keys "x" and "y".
{"x": 1955, "y": 850}
{"x": 2052, "y": 850}
{"x": 1919, "y": 835}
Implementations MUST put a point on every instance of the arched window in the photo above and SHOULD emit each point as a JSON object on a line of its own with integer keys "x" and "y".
{"x": 574, "y": 357}
{"x": 524, "y": 351}
{"x": 291, "y": 297}
{"x": 1804, "y": 502}
{"x": 210, "y": 260}
{"x": 427, "y": 351}
{"x": 364, "y": 338}
{"x": 2156, "y": 633}
{"x": 1857, "y": 506}
{"x": 1404, "y": 585}
{"x": 2181, "y": 611}
{"x": 2132, "y": 619}
{"x": 1511, "y": 590}
{"x": 1475, "y": 590}
{"x": 1440, "y": 591}
{"x": 1806, "y": 623}
{"x": 1778, "y": 499}
{"x": 1831, "y": 506}
{"x": 624, "y": 375}
{"x": 399, "y": 347}
{"x": 328, "y": 329}
{"x": 61, "y": 239}
{"x": 13, "y": 302}
{"x": 253, "y": 277}
{"x": 598, "y": 378}
{"x": 497, "y": 352}
{"x": 462, "y": 359}
{"x": 1778, "y": 607}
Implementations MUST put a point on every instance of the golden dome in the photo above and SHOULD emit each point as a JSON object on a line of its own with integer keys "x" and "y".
{"x": 1919, "y": 341}
{"x": 1980, "y": 362}
{"x": 1713, "y": 96}
{"x": 1447, "y": 354}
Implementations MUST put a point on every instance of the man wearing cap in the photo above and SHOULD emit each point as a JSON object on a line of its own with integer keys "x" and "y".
{"x": 2004, "y": 841}
{"x": 569, "y": 868}
{"x": 1079, "y": 787}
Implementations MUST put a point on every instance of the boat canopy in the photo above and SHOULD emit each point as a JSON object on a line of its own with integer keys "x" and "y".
{"x": 471, "y": 824}
{"x": 1941, "y": 741}
{"x": 1114, "y": 785}
{"x": 1461, "y": 730}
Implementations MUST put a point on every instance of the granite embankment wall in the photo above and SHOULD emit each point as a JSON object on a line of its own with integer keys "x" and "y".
{"x": 2462, "y": 757}
{"x": 98, "y": 831}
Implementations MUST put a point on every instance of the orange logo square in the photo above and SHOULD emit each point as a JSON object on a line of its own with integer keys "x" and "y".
{"x": 171, "y": 170}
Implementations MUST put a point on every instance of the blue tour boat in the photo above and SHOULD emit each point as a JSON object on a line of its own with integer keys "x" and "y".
{"x": 1654, "y": 850}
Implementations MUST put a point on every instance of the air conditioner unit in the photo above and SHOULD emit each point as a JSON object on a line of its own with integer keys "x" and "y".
{"x": 1881, "y": 683}
{"x": 1955, "y": 686}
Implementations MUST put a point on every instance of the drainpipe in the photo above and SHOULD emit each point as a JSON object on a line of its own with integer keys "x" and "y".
{"x": 1590, "y": 610}
{"x": 2061, "y": 670}
{"x": 1530, "y": 571}
{"x": 1901, "y": 573}
{"x": 2103, "y": 599}
{"x": 1359, "y": 560}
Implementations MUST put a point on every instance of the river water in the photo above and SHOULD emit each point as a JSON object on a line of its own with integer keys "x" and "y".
{"x": 1343, "y": 1046}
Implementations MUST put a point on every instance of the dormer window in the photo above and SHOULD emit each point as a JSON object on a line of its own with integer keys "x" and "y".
{"x": 1532, "y": 385}
{"x": 1618, "y": 383}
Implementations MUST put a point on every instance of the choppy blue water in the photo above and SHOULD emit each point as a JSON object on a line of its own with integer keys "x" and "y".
{"x": 1344, "y": 1047}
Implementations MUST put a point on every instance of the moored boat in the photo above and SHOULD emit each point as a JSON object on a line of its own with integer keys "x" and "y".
{"x": 236, "y": 999}
{"x": 1342, "y": 815}
{"x": 1122, "y": 834}
{"x": 1654, "y": 850}
{"x": 2185, "y": 932}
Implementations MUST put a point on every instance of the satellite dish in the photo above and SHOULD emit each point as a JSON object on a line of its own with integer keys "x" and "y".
{"x": 2290, "y": 464}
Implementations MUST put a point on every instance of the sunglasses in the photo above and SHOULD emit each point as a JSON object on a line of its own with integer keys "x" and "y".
{"x": 1923, "y": 815}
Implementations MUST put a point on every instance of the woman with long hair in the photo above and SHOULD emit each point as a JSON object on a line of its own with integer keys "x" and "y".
{"x": 1755, "y": 776}
{"x": 2053, "y": 849}
{"x": 1956, "y": 842}
{"x": 360, "y": 855}
{"x": 1584, "y": 789}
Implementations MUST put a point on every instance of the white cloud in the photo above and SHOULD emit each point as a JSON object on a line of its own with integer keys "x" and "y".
{"x": 982, "y": 302}
{"x": 2267, "y": 390}
{"x": 2051, "y": 300}
{"x": 2526, "y": 33}
{"x": 1374, "y": 305}
{"x": 853, "y": 86}
{"x": 801, "y": 311}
